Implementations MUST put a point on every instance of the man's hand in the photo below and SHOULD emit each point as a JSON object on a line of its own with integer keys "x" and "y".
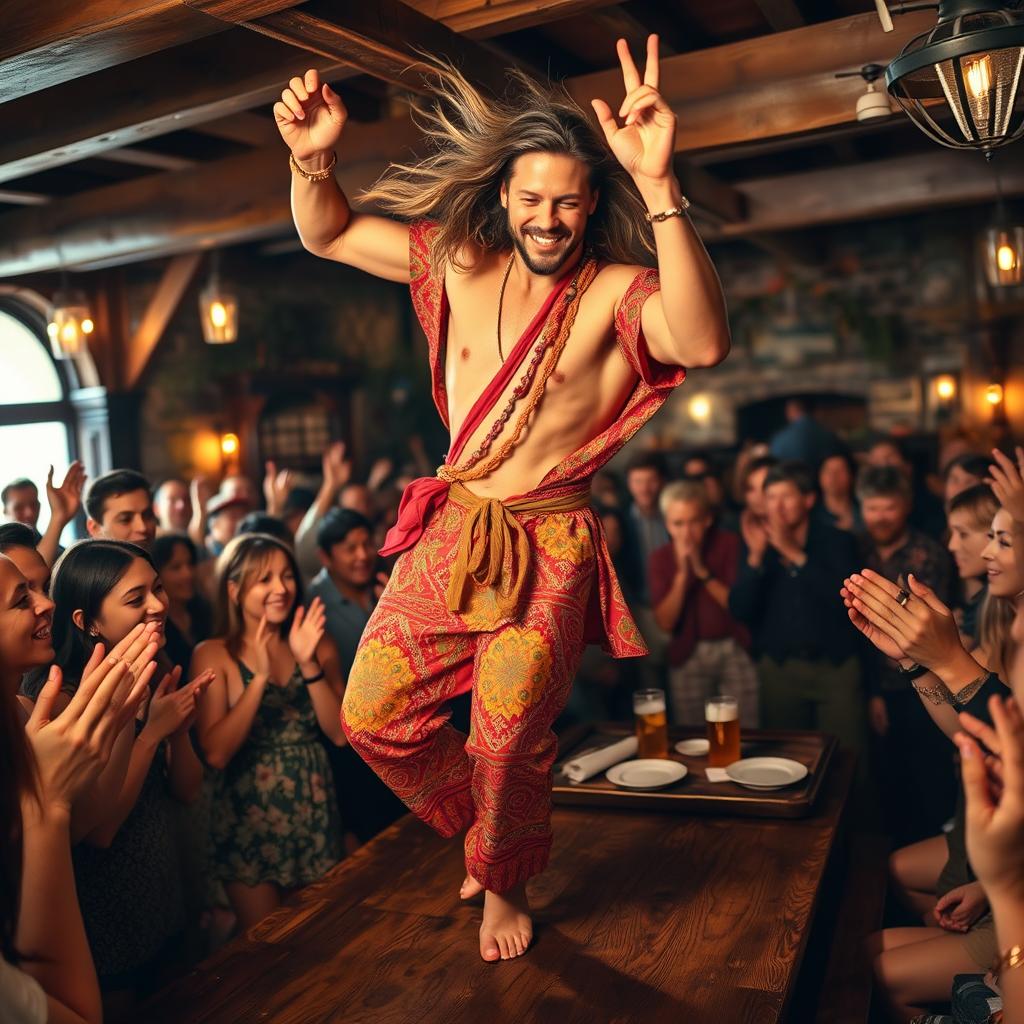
{"x": 1007, "y": 482}
{"x": 310, "y": 116}
{"x": 66, "y": 500}
{"x": 644, "y": 145}
{"x": 755, "y": 536}
{"x": 683, "y": 550}
{"x": 277, "y": 485}
{"x": 337, "y": 470}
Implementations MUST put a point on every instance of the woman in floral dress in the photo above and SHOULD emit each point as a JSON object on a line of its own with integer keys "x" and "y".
{"x": 275, "y": 824}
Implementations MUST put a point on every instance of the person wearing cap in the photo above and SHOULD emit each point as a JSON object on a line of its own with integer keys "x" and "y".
{"x": 224, "y": 511}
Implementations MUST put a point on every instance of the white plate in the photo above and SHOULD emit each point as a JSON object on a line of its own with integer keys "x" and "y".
{"x": 766, "y": 772}
{"x": 693, "y": 748}
{"x": 646, "y": 773}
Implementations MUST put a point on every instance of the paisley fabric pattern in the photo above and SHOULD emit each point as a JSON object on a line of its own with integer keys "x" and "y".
{"x": 519, "y": 661}
{"x": 496, "y": 783}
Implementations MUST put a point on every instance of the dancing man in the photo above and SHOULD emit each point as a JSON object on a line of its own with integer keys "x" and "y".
{"x": 523, "y": 237}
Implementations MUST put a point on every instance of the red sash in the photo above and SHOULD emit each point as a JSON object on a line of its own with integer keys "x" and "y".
{"x": 425, "y": 495}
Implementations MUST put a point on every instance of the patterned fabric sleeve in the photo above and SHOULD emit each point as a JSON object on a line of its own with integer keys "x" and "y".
{"x": 630, "y": 335}
{"x": 426, "y": 285}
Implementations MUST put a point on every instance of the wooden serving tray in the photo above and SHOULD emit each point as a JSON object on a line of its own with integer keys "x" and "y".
{"x": 694, "y": 794}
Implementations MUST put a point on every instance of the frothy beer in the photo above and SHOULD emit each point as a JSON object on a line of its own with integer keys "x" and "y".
{"x": 651, "y": 723}
{"x": 722, "y": 715}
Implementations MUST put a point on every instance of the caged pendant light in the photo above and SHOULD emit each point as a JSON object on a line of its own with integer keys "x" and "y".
{"x": 961, "y": 83}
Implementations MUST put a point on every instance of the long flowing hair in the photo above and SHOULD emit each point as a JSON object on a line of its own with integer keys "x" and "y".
{"x": 994, "y": 621}
{"x": 241, "y": 562}
{"x": 475, "y": 140}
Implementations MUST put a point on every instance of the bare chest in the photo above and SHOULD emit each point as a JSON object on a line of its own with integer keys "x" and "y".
{"x": 473, "y": 358}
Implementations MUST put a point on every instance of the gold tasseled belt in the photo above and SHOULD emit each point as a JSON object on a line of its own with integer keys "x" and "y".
{"x": 494, "y": 549}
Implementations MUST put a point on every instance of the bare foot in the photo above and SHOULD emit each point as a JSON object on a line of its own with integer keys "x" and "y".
{"x": 470, "y": 888}
{"x": 507, "y": 929}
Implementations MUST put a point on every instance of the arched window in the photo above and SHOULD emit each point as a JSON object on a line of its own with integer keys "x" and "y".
{"x": 36, "y": 416}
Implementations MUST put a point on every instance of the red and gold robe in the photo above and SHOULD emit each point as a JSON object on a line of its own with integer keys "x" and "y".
{"x": 497, "y": 597}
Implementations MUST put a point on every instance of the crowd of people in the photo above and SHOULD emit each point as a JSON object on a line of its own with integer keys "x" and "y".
{"x": 174, "y": 764}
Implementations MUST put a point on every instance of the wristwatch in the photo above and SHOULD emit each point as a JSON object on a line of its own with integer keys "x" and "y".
{"x": 914, "y": 672}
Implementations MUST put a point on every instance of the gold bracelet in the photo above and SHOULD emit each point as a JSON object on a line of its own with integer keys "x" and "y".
{"x": 313, "y": 175}
{"x": 1012, "y": 958}
{"x": 675, "y": 211}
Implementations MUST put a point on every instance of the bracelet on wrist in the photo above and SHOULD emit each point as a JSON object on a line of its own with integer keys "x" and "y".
{"x": 321, "y": 175}
{"x": 672, "y": 211}
{"x": 962, "y": 696}
{"x": 914, "y": 672}
{"x": 1012, "y": 958}
{"x": 310, "y": 680}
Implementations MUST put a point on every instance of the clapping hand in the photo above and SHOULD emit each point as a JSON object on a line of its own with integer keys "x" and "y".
{"x": 1007, "y": 482}
{"x": 277, "y": 485}
{"x": 645, "y": 143}
{"x": 307, "y": 631}
{"x": 337, "y": 470}
{"x": 995, "y": 811}
{"x": 72, "y": 749}
{"x": 66, "y": 500}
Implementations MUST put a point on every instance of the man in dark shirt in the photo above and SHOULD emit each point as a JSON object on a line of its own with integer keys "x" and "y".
{"x": 690, "y": 579}
{"x": 345, "y": 584}
{"x": 919, "y": 785}
{"x": 787, "y": 593}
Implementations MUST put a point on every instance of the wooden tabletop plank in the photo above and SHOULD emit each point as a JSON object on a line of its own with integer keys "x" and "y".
{"x": 638, "y": 917}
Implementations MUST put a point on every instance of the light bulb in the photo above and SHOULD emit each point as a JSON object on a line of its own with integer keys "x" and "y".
{"x": 945, "y": 388}
{"x": 52, "y": 330}
{"x": 994, "y": 394}
{"x": 69, "y": 332}
{"x": 978, "y": 72}
{"x": 700, "y": 408}
{"x": 87, "y": 326}
{"x": 229, "y": 444}
{"x": 218, "y": 314}
{"x": 1006, "y": 257}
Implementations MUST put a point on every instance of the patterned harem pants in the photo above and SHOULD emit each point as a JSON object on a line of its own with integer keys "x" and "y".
{"x": 416, "y": 655}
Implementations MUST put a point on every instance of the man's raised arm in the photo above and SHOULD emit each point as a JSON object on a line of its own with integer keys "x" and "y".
{"x": 310, "y": 117}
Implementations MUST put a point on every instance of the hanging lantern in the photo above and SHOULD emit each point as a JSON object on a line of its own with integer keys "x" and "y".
{"x": 218, "y": 309}
{"x": 960, "y": 83}
{"x": 1002, "y": 250}
{"x": 71, "y": 324}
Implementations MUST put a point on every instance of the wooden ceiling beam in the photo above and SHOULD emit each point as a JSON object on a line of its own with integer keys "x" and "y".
{"x": 482, "y": 19}
{"x": 213, "y": 78}
{"x": 381, "y": 39}
{"x": 768, "y": 87}
{"x": 874, "y": 190}
{"x": 46, "y": 42}
{"x": 19, "y": 198}
{"x": 180, "y": 211}
{"x": 177, "y": 276}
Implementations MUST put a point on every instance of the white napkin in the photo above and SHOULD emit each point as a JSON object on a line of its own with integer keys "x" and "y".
{"x": 716, "y": 775}
{"x": 579, "y": 769}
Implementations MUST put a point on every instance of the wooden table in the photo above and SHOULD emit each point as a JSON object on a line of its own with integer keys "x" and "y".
{"x": 640, "y": 917}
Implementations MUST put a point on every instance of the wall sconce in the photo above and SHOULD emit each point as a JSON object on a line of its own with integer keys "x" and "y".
{"x": 71, "y": 324}
{"x": 945, "y": 388}
{"x": 218, "y": 309}
{"x": 700, "y": 408}
{"x": 994, "y": 394}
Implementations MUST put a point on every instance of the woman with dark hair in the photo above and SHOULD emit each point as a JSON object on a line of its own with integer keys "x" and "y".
{"x": 189, "y": 616}
{"x": 46, "y": 763}
{"x": 276, "y": 677}
{"x": 127, "y": 869}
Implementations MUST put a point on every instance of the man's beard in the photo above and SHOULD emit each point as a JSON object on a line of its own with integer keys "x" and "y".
{"x": 550, "y": 265}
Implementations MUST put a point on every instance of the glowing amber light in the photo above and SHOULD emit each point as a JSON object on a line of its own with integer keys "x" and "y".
{"x": 229, "y": 444}
{"x": 945, "y": 388}
{"x": 218, "y": 314}
{"x": 700, "y": 408}
{"x": 994, "y": 394}
{"x": 1006, "y": 258}
{"x": 978, "y": 72}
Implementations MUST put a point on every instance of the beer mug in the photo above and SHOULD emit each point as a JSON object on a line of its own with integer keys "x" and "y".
{"x": 651, "y": 723}
{"x": 722, "y": 715}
